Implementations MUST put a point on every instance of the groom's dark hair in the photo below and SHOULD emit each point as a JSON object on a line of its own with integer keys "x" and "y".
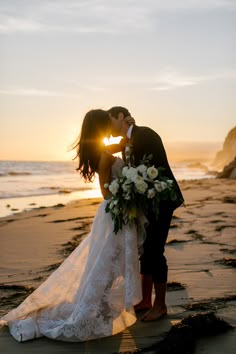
{"x": 114, "y": 111}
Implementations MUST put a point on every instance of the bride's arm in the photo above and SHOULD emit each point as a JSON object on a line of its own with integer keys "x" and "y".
{"x": 114, "y": 148}
{"x": 104, "y": 172}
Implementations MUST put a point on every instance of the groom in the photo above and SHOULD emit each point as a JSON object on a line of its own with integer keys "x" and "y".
{"x": 145, "y": 141}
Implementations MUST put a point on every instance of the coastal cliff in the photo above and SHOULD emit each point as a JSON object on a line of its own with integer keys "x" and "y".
{"x": 225, "y": 160}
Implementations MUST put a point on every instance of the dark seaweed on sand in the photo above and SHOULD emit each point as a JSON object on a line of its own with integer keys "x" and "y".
{"x": 181, "y": 337}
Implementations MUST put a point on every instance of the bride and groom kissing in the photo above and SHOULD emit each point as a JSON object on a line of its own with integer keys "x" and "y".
{"x": 97, "y": 290}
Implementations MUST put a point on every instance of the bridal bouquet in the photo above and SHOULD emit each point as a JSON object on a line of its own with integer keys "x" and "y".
{"x": 138, "y": 189}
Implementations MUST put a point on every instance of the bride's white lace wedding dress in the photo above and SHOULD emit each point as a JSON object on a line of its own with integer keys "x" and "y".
{"x": 92, "y": 294}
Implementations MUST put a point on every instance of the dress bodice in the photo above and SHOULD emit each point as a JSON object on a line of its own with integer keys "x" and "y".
{"x": 116, "y": 167}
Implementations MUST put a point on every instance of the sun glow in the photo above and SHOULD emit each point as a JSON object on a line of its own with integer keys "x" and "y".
{"x": 112, "y": 140}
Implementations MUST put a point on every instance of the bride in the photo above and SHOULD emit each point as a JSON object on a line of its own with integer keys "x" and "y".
{"x": 93, "y": 292}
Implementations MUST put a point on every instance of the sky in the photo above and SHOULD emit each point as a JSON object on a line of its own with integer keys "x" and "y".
{"x": 171, "y": 63}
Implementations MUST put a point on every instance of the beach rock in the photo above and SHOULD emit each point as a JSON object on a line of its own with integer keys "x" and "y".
{"x": 229, "y": 170}
{"x": 228, "y": 152}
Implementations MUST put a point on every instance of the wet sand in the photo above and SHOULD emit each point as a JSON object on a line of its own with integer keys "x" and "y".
{"x": 201, "y": 253}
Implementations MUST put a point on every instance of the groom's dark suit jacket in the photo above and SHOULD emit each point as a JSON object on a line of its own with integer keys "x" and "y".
{"x": 145, "y": 141}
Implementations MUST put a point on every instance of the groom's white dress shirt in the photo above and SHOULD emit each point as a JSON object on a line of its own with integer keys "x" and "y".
{"x": 129, "y": 132}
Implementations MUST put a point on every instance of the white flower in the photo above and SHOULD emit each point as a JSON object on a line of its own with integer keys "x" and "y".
{"x": 151, "y": 193}
{"x": 131, "y": 173}
{"x": 142, "y": 168}
{"x": 114, "y": 187}
{"x": 124, "y": 170}
{"x": 138, "y": 179}
{"x": 163, "y": 185}
{"x": 106, "y": 185}
{"x": 170, "y": 181}
{"x": 141, "y": 186}
{"x": 152, "y": 172}
{"x": 158, "y": 186}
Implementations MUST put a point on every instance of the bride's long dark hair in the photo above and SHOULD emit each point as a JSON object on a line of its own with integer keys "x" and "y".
{"x": 89, "y": 145}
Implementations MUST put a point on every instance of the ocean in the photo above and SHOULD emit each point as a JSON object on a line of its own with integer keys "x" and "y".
{"x": 26, "y": 185}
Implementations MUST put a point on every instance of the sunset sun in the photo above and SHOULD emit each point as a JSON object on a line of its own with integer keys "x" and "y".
{"x": 111, "y": 140}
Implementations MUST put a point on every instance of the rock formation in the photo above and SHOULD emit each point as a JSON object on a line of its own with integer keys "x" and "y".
{"x": 228, "y": 153}
{"x": 229, "y": 170}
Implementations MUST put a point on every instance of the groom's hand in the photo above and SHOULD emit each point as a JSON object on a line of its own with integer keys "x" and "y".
{"x": 123, "y": 143}
{"x": 130, "y": 120}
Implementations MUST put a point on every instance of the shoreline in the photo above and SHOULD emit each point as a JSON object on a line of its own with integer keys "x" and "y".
{"x": 200, "y": 251}
{"x": 15, "y": 205}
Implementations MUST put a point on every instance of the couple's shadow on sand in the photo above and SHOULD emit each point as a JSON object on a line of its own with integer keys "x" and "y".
{"x": 139, "y": 336}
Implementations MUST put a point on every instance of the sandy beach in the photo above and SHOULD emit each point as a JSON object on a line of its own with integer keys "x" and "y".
{"x": 201, "y": 253}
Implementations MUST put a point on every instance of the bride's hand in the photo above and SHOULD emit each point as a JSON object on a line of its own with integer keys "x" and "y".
{"x": 130, "y": 120}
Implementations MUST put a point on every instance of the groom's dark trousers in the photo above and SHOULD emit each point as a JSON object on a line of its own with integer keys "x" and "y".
{"x": 153, "y": 261}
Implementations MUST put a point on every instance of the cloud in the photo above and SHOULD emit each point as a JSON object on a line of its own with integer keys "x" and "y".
{"x": 35, "y": 93}
{"x": 11, "y": 25}
{"x": 163, "y": 80}
{"x": 195, "y": 5}
{"x": 171, "y": 79}
{"x": 89, "y": 16}
{"x": 95, "y": 16}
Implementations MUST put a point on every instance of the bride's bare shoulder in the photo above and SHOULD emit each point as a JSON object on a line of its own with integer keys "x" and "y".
{"x": 104, "y": 171}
